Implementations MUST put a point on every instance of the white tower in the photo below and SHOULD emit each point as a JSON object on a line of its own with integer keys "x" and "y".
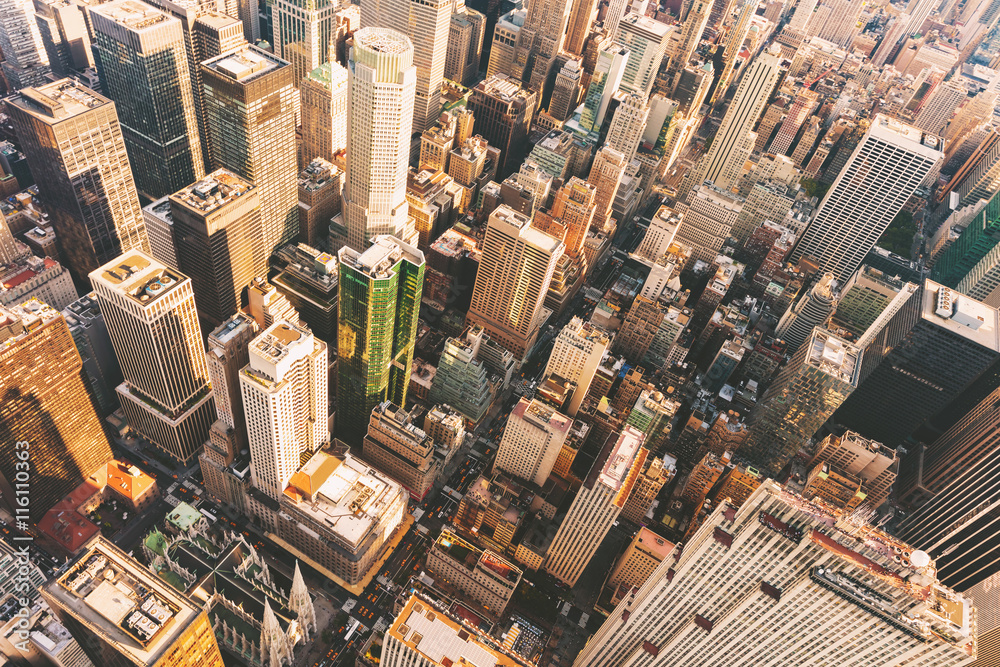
{"x": 301, "y": 603}
{"x": 382, "y": 81}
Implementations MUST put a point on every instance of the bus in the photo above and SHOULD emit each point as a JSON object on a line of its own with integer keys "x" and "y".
{"x": 351, "y": 627}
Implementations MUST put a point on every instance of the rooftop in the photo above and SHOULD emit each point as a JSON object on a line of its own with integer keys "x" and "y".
{"x": 542, "y": 415}
{"x": 58, "y": 100}
{"x": 834, "y": 356}
{"x": 246, "y": 64}
{"x": 115, "y": 597}
{"x": 22, "y": 319}
{"x": 139, "y": 276}
{"x": 961, "y": 315}
{"x": 619, "y": 462}
{"x": 212, "y": 192}
{"x": 380, "y": 258}
{"x": 225, "y": 331}
{"x": 134, "y": 15}
{"x": 317, "y": 174}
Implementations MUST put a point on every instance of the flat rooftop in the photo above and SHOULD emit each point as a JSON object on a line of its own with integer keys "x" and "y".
{"x": 139, "y": 276}
{"x": 961, "y": 315}
{"x": 17, "y": 321}
{"x": 278, "y": 341}
{"x": 115, "y": 597}
{"x": 246, "y": 64}
{"x": 213, "y": 192}
{"x": 378, "y": 260}
{"x": 225, "y": 331}
{"x": 136, "y": 16}
{"x": 58, "y": 100}
{"x": 618, "y": 464}
{"x": 834, "y": 356}
{"x": 445, "y": 641}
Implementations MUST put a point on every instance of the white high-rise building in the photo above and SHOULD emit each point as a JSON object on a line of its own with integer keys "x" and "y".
{"x": 576, "y": 354}
{"x": 628, "y": 124}
{"x": 382, "y": 81}
{"x": 607, "y": 77}
{"x": 531, "y": 441}
{"x": 884, "y": 171}
{"x": 596, "y": 506}
{"x": 647, "y": 40}
{"x": 25, "y": 61}
{"x": 781, "y": 581}
{"x": 284, "y": 391}
{"x": 426, "y": 23}
{"x": 941, "y": 107}
{"x": 724, "y": 161}
{"x": 150, "y": 313}
{"x": 803, "y": 13}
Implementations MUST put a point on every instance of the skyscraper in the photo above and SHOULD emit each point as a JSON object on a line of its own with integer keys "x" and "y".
{"x": 73, "y": 143}
{"x": 381, "y": 84}
{"x": 323, "y": 95}
{"x": 765, "y": 584}
{"x": 250, "y": 114}
{"x": 503, "y": 112}
{"x": 123, "y": 615}
{"x": 814, "y": 383}
{"x": 566, "y": 89}
{"x": 380, "y": 291}
{"x": 25, "y": 61}
{"x": 44, "y": 404}
{"x": 513, "y": 278}
{"x": 576, "y": 354}
{"x": 733, "y": 44}
{"x": 931, "y": 350}
{"x": 811, "y": 311}
{"x": 691, "y": 30}
{"x": 972, "y": 263}
{"x": 805, "y": 102}
{"x": 303, "y": 33}
{"x": 868, "y": 461}
{"x": 426, "y": 24}
{"x": 628, "y": 124}
{"x": 284, "y": 390}
{"x": 596, "y": 506}
{"x": 151, "y": 316}
{"x": 882, "y": 173}
{"x": 606, "y": 174}
{"x": 398, "y": 447}
{"x": 142, "y": 61}
{"x": 217, "y": 236}
{"x": 466, "y": 31}
{"x": 604, "y": 83}
{"x": 720, "y": 165}
{"x": 647, "y": 40}
{"x": 581, "y": 17}
{"x": 531, "y": 441}
{"x": 940, "y": 107}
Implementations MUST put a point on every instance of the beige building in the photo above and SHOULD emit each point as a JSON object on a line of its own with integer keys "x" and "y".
{"x": 484, "y": 576}
{"x": 576, "y": 354}
{"x": 150, "y": 313}
{"x": 646, "y": 551}
{"x": 514, "y": 273}
{"x": 871, "y": 463}
{"x": 323, "y": 106}
{"x": 606, "y": 175}
{"x": 320, "y": 185}
{"x": 531, "y": 441}
{"x": 397, "y": 447}
{"x": 709, "y": 217}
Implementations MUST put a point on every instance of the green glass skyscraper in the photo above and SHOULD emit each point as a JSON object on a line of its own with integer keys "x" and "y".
{"x": 972, "y": 263}
{"x": 380, "y": 292}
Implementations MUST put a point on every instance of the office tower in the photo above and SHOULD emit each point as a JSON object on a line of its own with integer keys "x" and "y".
{"x": 655, "y": 472}
{"x": 160, "y": 230}
{"x": 576, "y": 354}
{"x": 938, "y": 110}
{"x": 531, "y": 441}
{"x": 813, "y": 310}
{"x": 691, "y": 30}
{"x": 503, "y": 47}
{"x": 604, "y": 83}
{"x": 73, "y": 143}
{"x": 302, "y": 33}
{"x": 606, "y": 174}
{"x": 978, "y": 177}
{"x": 647, "y": 40}
{"x": 217, "y": 235}
{"x": 643, "y": 554}
{"x": 503, "y": 112}
{"x": 250, "y": 115}
{"x": 566, "y": 89}
{"x": 46, "y": 405}
{"x": 426, "y": 24}
{"x": 972, "y": 263}
{"x": 25, "y": 61}
{"x": 122, "y": 614}
{"x": 513, "y": 278}
{"x": 596, "y": 506}
{"x": 380, "y": 292}
{"x": 227, "y": 355}
{"x": 954, "y": 492}
{"x": 465, "y": 44}
{"x": 817, "y": 380}
{"x": 751, "y": 581}
{"x": 483, "y": 577}
{"x": 868, "y": 301}
{"x": 150, "y": 312}
{"x": 323, "y": 96}
{"x": 882, "y": 173}
{"x": 381, "y": 84}
{"x": 970, "y": 115}
{"x": 142, "y": 61}
{"x": 767, "y": 202}
{"x": 401, "y": 449}
{"x": 44, "y": 279}
{"x": 65, "y": 35}
{"x": 320, "y": 187}
{"x": 707, "y": 222}
{"x": 806, "y": 142}
{"x": 628, "y": 124}
{"x": 284, "y": 390}
{"x": 539, "y": 41}
{"x": 101, "y": 371}
{"x": 720, "y": 165}
{"x": 267, "y": 305}
{"x": 581, "y": 18}
{"x": 732, "y": 46}
{"x": 574, "y": 207}
{"x": 805, "y": 102}
{"x": 930, "y": 351}
{"x": 462, "y": 380}
{"x": 692, "y": 87}
{"x": 868, "y": 461}
{"x": 423, "y": 634}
